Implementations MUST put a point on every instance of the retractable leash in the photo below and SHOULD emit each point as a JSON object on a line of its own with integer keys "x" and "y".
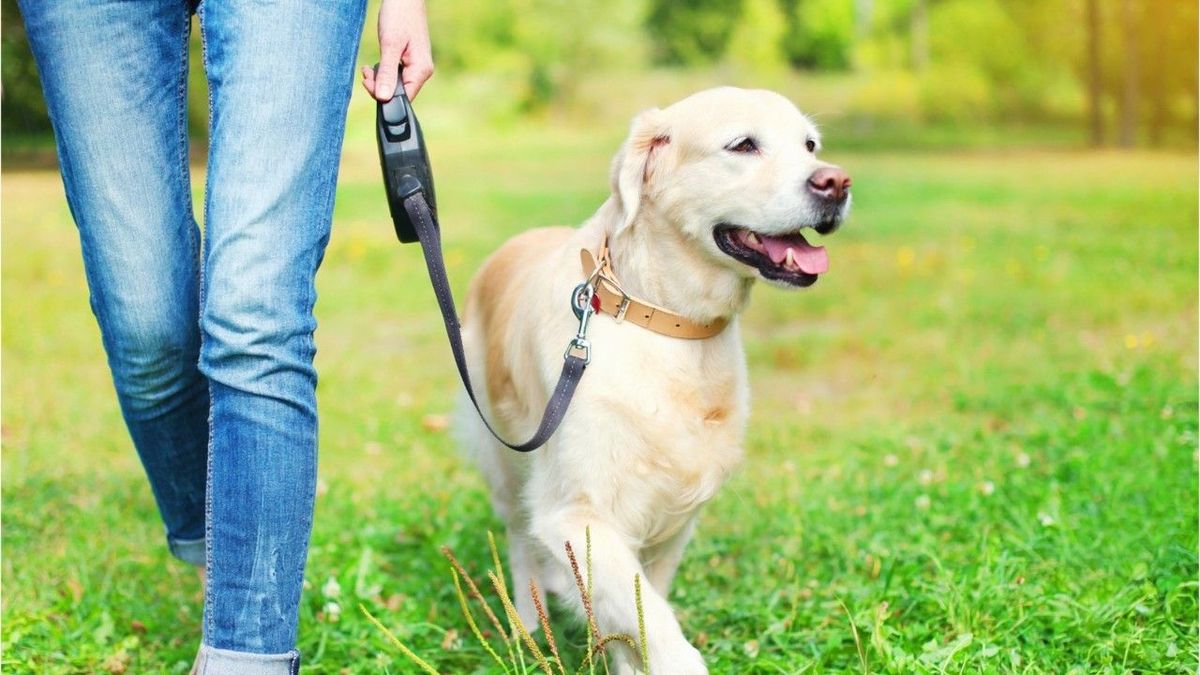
{"x": 408, "y": 179}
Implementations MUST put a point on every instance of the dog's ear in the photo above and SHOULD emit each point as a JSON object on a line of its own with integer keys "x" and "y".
{"x": 635, "y": 165}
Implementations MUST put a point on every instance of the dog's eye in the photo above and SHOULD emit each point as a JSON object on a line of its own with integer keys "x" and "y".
{"x": 743, "y": 145}
{"x": 811, "y": 145}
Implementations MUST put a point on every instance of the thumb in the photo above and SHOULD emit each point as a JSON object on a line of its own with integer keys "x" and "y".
{"x": 389, "y": 67}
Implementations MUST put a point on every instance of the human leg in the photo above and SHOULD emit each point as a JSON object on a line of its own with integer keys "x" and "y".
{"x": 115, "y": 79}
{"x": 280, "y": 78}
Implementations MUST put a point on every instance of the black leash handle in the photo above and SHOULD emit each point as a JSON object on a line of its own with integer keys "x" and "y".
{"x": 575, "y": 359}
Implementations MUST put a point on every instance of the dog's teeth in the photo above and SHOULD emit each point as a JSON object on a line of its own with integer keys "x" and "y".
{"x": 752, "y": 239}
{"x": 789, "y": 259}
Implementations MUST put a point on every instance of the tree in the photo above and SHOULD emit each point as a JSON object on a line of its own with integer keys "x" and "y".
{"x": 1127, "y": 108}
{"x": 1168, "y": 89}
{"x": 756, "y": 41}
{"x": 821, "y": 34}
{"x": 691, "y": 33}
{"x": 24, "y": 110}
{"x": 1094, "y": 75}
{"x": 920, "y": 36}
{"x": 542, "y": 49}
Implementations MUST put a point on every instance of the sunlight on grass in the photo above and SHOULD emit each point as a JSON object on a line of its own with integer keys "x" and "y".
{"x": 975, "y": 437}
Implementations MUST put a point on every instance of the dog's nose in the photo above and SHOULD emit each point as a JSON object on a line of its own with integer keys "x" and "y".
{"x": 829, "y": 183}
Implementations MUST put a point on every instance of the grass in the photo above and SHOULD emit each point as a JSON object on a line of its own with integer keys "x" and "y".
{"x": 973, "y": 447}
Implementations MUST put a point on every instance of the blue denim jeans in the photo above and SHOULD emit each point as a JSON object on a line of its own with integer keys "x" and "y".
{"x": 211, "y": 352}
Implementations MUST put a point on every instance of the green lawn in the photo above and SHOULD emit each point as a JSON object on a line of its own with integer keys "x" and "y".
{"x": 974, "y": 442}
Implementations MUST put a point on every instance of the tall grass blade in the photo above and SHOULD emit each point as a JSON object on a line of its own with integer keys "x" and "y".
{"x": 862, "y": 656}
{"x": 641, "y": 612}
{"x": 545, "y": 623}
{"x": 515, "y": 620}
{"x": 466, "y": 610}
{"x": 421, "y": 663}
{"x": 478, "y": 597}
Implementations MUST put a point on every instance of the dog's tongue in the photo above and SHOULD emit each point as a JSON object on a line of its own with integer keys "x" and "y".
{"x": 809, "y": 259}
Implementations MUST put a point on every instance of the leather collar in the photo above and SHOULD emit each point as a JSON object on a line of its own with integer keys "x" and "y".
{"x": 615, "y": 302}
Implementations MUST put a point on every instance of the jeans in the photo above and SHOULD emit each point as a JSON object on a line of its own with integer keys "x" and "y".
{"x": 211, "y": 352}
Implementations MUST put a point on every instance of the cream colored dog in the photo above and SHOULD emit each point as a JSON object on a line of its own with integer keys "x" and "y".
{"x": 709, "y": 195}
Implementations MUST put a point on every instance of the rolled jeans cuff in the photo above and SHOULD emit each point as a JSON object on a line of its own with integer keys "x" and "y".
{"x": 213, "y": 661}
{"x": 190, "y": 551}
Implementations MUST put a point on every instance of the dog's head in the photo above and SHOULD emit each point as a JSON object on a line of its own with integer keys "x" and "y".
{"x": 736, "y": 172}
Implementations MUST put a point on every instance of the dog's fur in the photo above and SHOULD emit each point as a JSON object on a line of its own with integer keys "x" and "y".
{"x": 657, "y": 422}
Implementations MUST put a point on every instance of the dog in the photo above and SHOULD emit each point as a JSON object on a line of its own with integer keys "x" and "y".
{"x": 709, "y": 195}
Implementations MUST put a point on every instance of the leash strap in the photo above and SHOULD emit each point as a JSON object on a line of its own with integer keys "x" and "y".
{"x": 575, "y": 359}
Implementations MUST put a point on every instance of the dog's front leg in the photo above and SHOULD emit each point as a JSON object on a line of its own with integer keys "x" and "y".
{"x": 613, "y": 568}
{"x": 522, "y": 563}
{"x": 662, "y": 561}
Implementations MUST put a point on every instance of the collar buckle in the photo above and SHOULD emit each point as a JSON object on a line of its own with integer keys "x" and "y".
{"x": 622, "y": 308}
{"x": 603, "y": 283}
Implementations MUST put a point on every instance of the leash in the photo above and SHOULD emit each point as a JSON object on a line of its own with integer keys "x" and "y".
{"x": 575, "y": 359}
{"x": 408, "y": 180}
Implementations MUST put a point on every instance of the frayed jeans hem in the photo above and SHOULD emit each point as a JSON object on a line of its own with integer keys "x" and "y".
{"x": 190, "y": 551}
{"x": 213, "y": 661}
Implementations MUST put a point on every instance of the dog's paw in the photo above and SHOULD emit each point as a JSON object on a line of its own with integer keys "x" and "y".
{"x": 677, "y": 659}
{"x": 625, "y": 667}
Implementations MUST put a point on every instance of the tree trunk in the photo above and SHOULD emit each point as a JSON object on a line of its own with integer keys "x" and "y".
{"x": 1130, "y": 95}
{"x": 919, "y": 27}
{"x": 1095, "y": 75}
{"x": 862, "y": 29}
{"x": 1160, "y": 37}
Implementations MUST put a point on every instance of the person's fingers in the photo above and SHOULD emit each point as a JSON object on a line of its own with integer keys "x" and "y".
{"x": 418, "y": 68}
{"x": 368, "y": 79}
{"x": 391, "y": 49}
{"x": 403, "y": 38}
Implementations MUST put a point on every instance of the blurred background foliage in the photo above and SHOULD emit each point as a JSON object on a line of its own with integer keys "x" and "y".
{"x": 1101, "y": 72}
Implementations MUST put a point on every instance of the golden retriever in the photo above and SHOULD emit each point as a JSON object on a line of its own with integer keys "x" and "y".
{"x": 708, "y": 195}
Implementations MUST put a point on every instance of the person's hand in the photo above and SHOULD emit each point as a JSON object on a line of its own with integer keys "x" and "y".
{"x": 403, "y": 38}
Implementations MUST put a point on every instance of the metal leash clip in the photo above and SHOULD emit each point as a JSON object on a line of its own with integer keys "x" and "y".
{"x": 583, "y": 304}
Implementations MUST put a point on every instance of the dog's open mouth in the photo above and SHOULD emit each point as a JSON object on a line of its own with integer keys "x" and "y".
{"x": 789, "y": 259}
